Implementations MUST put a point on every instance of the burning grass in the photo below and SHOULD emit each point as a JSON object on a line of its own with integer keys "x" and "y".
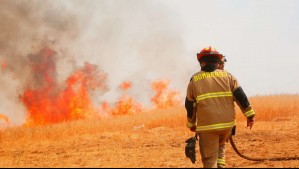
{"x": 171, "y": 117}
{"x": 46, "y": 103}
{"x": 49, "y": 101}
{"x": 71, "y": 109}
{"x": 276, "y": 108}
{"x": 150, "y": 138}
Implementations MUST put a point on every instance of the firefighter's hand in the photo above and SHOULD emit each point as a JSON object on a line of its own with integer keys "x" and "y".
{"x": 250, "y": 122}
{"x": 193, "y": 129}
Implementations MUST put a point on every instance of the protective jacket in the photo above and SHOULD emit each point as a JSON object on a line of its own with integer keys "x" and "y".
{"x": 210, "y": 101}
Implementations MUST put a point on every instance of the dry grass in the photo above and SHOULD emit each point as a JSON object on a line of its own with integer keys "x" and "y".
{"x": 172, "y": 117}
{"x": 268, "y": 108}
{"x": 151, "y": 139}
{"x": 273, "y": 107}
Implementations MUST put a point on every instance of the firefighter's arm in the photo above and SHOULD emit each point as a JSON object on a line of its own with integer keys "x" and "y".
{"x": 241, "y": 98}
{"x": 190, "y": 107}
{"x": 191, "y": 114}
{"x": 243, "y": 103}
{"x": 245, "y": 106}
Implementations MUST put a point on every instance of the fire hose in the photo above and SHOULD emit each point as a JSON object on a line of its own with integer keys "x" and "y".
{"x": 259, "y": 159}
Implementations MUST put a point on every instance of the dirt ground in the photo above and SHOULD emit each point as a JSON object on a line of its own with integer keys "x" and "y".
{"x": 156, "y": 147}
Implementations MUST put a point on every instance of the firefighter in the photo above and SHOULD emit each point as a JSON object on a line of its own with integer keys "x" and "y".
{"x": 210, "y": 107}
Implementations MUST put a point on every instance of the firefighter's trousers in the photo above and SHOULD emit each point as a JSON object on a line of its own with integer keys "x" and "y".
{"x": 212, "y": 147}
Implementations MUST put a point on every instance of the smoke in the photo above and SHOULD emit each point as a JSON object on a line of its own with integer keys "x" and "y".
{"x": 131, "y": 40}
{"x": 25, "y": 29}
{"x": 138, "y": 41}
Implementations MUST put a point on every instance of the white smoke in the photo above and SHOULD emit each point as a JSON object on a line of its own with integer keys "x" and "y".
{"x": 131, "y": 40}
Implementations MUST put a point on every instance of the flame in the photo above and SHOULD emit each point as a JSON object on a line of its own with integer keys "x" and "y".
{"x": 105, "y": 109}
{"x": 4, "y": 118}
{"x": 125, "y": 104}
{"x": 164, "y": 97}
{"x": 4, "y": 65}
{"x": 125, "y": 85}
{"x": 48, "y": 103}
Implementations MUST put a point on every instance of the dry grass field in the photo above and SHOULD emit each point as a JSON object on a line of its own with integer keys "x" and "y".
{"x": 154, "y": 138}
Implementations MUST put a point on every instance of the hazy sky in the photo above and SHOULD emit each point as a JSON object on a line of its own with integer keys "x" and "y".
{"x": 259, "y": 37}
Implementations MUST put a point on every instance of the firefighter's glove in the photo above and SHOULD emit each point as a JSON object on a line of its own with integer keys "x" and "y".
{"x": 190, "y": 149}
{"x": 250, "y": 122}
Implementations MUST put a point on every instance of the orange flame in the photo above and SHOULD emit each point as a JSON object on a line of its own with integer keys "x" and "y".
{"x": 126, "y": 85}
{"x": 49, "y": 104}
{"x": 4, "y": 65}
{"x": 125, "y": 104}
{"x": 164, "y": 97}
{"x": 105, "y": 109}
{"x": 4, "y": 118}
